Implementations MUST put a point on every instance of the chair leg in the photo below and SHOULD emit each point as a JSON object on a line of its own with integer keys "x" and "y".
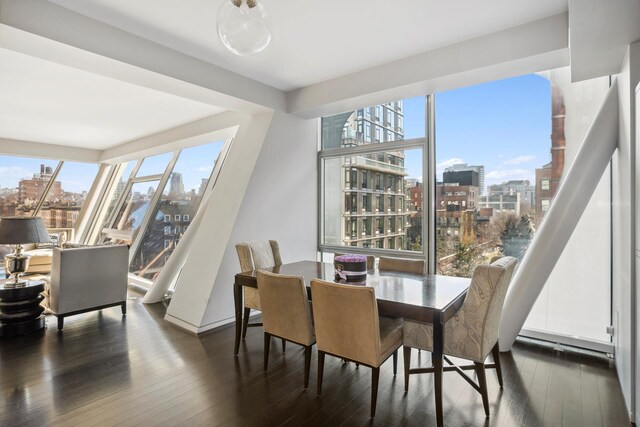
{"x": 395, "y": 362}
{"x": 123, "y": 307}
{"x": 307, "y": 365}
{"x": 482, "y": 382}
{"x": 496, "y": 359}
{"x": 407, "y": 365}
{"x": 320, "y": 370}
{"x": 375, "y": 375}
{"x": 267, "y": 343}
{"x": 245, "y": 322}
{"x": 284, "y": 345}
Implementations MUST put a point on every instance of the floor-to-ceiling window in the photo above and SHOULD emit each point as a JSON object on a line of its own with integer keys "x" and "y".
{"x": 152, "y": 201}
{"x": 371, "y": 178}
{"x": 501, "y": 151}
{"x": 176, "y": 208}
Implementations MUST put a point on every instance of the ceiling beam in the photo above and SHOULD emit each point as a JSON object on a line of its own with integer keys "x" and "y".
{"x": 599, "y": 34}
{"x": 14, "y": 147}
{"x": 528, "y": 48}
{"x": 215, "y": 128}
{"x": 57, "y": 34}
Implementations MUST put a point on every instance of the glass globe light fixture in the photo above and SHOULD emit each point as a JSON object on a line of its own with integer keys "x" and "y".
{"x": 244, "y": 26}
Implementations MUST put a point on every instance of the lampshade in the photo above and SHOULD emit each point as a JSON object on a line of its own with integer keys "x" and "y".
{"x": 243, "y": 26}
{"x": 19, "y": 230}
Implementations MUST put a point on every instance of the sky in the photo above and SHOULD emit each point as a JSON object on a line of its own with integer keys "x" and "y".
{"x": 504, "y": 125}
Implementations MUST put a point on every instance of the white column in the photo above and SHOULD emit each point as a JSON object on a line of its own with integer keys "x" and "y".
{"x": 564, "y": 213}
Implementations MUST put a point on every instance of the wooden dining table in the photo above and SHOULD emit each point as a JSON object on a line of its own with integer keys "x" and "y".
{"x": 427, "y": 298}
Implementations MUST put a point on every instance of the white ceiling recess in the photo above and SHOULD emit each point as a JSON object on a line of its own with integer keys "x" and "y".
{"x": 46, "y": 102}
{"x": 315, "y": 41}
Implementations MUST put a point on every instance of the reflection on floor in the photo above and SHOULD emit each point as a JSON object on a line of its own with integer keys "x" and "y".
{"x": 105, "y": 370}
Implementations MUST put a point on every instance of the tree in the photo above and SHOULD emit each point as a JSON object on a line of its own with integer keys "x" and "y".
{"x": 516, "y": 236}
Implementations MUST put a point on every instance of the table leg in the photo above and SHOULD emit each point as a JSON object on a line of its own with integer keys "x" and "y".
{"x": 237, "y": 299}
{"x": 438, "y": 341}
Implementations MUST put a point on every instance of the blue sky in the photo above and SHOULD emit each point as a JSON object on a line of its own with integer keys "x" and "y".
{"x": 504, "y": 125}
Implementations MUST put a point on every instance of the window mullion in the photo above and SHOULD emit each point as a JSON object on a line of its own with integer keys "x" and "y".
{"x": 152, "y": 205}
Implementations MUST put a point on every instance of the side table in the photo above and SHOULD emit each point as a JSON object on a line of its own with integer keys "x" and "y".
{"x": 20, "y": 309}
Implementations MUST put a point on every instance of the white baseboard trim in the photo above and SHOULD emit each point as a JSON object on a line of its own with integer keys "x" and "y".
{"x": 601, "y": 346}
{"x": 197, "y": 329}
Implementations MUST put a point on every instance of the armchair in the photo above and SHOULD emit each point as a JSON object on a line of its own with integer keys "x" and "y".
{"x": 89, "y": 278}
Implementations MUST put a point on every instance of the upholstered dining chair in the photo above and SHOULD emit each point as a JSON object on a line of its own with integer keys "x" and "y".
{"x": 255, "y": 255}
{"x": 414, "y": 266}
{"x": 472, "y": 333}
{"x": 286, "y": 314}
{"x": 348, "y": 326}
{"x": 371, "y": 260}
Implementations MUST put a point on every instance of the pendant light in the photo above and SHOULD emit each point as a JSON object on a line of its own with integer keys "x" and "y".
{"x": 244, "y": 26}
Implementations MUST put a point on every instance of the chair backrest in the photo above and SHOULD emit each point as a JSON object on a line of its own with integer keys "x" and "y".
{"x": 285, "y": 307}
{"x": 83, "y": 278}
{"x": 413, "y": 266}
{"x": 482, "y": 306}
{"x": 371, "y": 260}
{"x": 346, "y": 321}
{"x": 258, "y": 254}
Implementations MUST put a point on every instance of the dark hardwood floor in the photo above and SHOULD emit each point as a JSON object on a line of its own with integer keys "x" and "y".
{"x": 104, "y": 369}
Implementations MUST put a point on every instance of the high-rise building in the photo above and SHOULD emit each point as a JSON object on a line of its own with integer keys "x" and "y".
{"x": 176, "y": 186}
{"x": 461, "y": 167}
{"x": 374, "y": 198}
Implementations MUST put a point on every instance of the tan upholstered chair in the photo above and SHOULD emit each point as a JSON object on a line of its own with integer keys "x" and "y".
{"x": 286, "y": 314}
{"x": 414, "y": 266}
{"x": 253, "y": 256}
{"x": 472, "y": 333}
{"x": 371, "y": 260}
{"x": 348, "y": 326}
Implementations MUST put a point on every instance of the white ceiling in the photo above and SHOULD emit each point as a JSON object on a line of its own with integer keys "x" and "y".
{"x": 46, "y": 102}
{"x": 314, "y": 41}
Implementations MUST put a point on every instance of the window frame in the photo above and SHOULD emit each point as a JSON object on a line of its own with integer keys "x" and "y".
{"x": 427, "y": 145}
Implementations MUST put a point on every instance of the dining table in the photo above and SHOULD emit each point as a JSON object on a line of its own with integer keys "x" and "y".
{"x": 427, "y": 298}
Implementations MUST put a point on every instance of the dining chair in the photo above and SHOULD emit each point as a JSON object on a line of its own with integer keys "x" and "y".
{"x": 348, "y": 326}
{"x": 413, "y": 266}
{"x": 472, "y": 333}
{"x": 286, "y": 314}
{"x": 371, "y": 260}
{"x": 255, "y": 255}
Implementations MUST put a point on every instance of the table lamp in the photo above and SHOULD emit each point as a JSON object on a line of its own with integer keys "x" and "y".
{"x": 16, "y": 231}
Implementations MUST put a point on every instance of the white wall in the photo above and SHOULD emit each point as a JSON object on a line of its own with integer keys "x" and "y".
{"x": 623, "y": 244}
{"x": 575, "y": 301}
{"x": 280, "y": 203}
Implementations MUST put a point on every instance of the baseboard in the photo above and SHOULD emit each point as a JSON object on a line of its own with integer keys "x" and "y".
{"x": 198, "y": 330}
{"x": 601, "y": 346}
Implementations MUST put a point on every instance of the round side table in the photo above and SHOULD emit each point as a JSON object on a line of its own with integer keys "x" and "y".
{"x": 20, "y": 309}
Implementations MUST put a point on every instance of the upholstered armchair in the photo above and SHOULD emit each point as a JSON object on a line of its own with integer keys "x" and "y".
{"x": 472, "y": 333}
{"x": 412, "y": 266}
{"x": 347, "y": 325}
{"x": 88, "y": 278}
{"x": 254, "y": 256}
{"x": 286, "y": 314}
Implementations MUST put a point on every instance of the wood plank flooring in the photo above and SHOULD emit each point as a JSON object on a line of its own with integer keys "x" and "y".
{"x": 104, "y": 369}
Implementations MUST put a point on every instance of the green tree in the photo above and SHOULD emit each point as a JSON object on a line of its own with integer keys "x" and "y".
{"x": 516, "y": 236}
